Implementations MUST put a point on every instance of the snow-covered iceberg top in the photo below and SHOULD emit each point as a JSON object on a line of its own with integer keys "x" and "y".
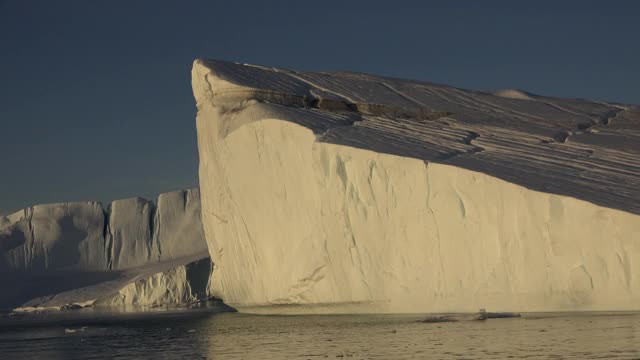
{"x": 585, "y": 149}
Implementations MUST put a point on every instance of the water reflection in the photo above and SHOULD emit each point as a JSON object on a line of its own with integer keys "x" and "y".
{"x": 237, "y": 336}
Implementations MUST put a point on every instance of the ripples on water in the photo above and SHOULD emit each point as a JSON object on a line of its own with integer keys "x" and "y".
{"x": 204, "y": 334}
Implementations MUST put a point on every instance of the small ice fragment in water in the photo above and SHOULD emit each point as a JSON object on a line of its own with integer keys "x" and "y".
{"x": 71, "y": 331}
{"x": 482, "y": 315}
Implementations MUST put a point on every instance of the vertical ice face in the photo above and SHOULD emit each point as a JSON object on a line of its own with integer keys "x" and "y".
{"x": 76, "y": 252}
{"x": 178, "y": 226}
{"x": 339, "y": 193}
{"x": 131, "y": 233}
{"x": 54, "y": 237}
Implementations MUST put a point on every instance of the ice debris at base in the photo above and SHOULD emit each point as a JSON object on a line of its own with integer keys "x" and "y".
{"x": 333, "y": 192}
{"x": 184, "y": 284}
{"x": 56, "y": 255}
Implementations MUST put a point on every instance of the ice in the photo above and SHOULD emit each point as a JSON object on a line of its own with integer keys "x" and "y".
{"x": 131, "y": 233}
{"x": 344, "y": 192}
{"x": 178, "y": 224}
{"x": 183, "y": 284}
{"x": 57, "y": 254}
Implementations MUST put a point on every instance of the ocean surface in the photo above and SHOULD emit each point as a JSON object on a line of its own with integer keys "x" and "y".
{"x": 208, "y": 334}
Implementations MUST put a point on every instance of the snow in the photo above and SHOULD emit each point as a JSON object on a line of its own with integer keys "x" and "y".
{"x": 343, "y": 192}
{"x": 57, "y": 254}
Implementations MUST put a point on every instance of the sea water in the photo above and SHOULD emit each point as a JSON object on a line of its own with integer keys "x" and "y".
{"x": 210, "y": 334}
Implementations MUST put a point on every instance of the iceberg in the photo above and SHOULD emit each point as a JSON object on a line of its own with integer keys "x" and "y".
{"x": 56, "y": 255}
{"x": 336, "y": 192}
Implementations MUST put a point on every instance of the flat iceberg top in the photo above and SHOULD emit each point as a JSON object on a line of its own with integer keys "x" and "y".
{"x": 584, "y": 149}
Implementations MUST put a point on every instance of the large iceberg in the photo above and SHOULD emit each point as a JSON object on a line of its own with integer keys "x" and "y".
{"x": 133, "y": 252}
{"x": 334, "y": 192}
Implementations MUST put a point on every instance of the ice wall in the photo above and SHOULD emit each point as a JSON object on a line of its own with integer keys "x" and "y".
{"x": 140, "y": 232}
{"x": 340, "y": 192}
{"x": 31, "y": 239}
{"x": 75, "y": 252}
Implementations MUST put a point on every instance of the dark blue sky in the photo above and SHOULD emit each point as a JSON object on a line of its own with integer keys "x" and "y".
{"x": 95, "y": 97}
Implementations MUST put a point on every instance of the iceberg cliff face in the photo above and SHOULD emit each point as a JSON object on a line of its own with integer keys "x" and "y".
{"x": 55, "y": 254}
{"x": 30, "y": 239}
{"x": 342, "y": 192}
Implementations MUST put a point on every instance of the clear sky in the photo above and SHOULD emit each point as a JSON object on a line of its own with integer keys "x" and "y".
{"x": 95, "y": 97}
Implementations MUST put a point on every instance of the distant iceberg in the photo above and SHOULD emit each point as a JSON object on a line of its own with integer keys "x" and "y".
{"x": 131, "y": 253}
